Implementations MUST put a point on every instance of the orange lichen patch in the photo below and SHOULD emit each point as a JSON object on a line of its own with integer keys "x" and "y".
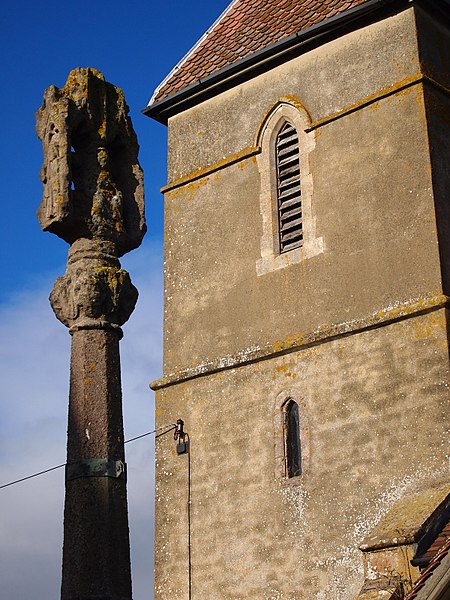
{"x": 400, "y": 86}
{"x": 289, "y": 342}
{"x": 405, "y": 309}
{"x": 190, "y": 189}
{"x": 420, "y": 101}
{"x": 91, "y": 367}
{"x": 430, "y": 329}
{"x": 283, "y": 370}
{"x": 205, "y": 171}
{"x": 304, "y": 341}
{"x": 87, "y": 381}
{"x": 102, "y": 129}
{"x": 286, "y": 374}
{"x": 116, "y": 278}
{"x": 75, "y": 84}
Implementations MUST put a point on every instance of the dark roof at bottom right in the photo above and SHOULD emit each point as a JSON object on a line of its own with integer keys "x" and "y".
{"x": 435, "y": 576}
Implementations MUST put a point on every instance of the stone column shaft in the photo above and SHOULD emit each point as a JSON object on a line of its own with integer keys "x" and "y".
{"x": 96, "y": 554}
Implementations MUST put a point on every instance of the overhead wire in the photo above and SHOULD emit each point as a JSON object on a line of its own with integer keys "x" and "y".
{"x": 31, "y": 476}
{"x": 167, "y": 429}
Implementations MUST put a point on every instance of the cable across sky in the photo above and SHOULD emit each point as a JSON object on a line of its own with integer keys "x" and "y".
{"x": 167, "y": 429}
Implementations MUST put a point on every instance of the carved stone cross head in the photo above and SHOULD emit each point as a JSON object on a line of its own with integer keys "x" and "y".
{"x": 93, "y": 183}
{"x": 93, "y": 198}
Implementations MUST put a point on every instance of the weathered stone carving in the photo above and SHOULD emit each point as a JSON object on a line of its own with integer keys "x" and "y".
{"x": 94, "y": 293}
{"x": 93, "y": 199}
{"x": 93, "y": 183}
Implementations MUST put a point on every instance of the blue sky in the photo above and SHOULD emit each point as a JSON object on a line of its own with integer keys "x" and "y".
{"x": 135, "y": 45}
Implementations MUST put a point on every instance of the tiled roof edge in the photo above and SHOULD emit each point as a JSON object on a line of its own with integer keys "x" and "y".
{"x": 178, "y": 101}
{"x": 418, "y": 591}
{"x": 431, "y": 530}
{"x": 162, "y": 109}
{"x": 181, "y": 62}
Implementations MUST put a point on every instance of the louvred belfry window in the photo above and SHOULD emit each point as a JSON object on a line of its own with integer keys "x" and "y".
{"x": 288, "y": 189}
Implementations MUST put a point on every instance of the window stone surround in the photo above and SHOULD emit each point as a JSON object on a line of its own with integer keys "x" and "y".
{"x": 271, "y": 259}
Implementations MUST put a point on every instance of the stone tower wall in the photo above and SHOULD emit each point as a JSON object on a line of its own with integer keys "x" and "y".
{"x": 356, "y": 334}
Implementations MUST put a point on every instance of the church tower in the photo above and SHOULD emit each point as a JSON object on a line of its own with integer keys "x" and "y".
{"x": 307, "y": 275}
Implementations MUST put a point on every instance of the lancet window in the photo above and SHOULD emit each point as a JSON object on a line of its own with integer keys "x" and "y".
{"x": 286, "y": 191}
{"x": 289, "y": 195}
{"x": 292, "y": 440}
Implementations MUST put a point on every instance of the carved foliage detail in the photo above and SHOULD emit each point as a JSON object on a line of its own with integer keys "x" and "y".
{"x": 93, "y": 298}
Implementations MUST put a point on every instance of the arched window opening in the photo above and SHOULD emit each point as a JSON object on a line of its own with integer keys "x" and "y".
{"x": 292, "y": 440}
{"x": 288, "y": 233}
{"x": 290, "y": 228}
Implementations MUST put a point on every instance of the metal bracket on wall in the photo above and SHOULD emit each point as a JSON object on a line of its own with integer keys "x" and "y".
{"x": 182, "y": 437}
{"x": 96, "y": 467}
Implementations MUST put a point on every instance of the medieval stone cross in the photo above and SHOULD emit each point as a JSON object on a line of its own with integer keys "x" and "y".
{"x": 93, "y": 198}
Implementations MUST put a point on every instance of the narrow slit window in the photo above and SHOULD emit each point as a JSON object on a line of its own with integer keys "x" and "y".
{"x": 292, "y": 440}
{"x": 288, "y": 189}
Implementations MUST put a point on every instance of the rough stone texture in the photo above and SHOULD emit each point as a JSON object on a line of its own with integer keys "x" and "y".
{"x": 325, "y": 81}
{"x": 93, "y": 199}
{"x": 381, "y": 240}
{"x": 93, "y": 184}
{"x": 390, "y": 547}
{"x": 436, "y": 63}
{"x": 407, "y": 521}
{"x": 95, "y": 291}
{"x": 96, "y": 554}
{"x": 373, "y": 403}
{"x": 389, "y": 570}
{"x": 382, "y": 589}
{"x": 376, "y": 404}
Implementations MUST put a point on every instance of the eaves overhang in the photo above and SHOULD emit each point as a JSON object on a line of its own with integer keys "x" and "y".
{"x": 278, "y": 52}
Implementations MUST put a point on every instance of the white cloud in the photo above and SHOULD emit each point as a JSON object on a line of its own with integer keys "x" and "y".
{"x": 34, "y": 370}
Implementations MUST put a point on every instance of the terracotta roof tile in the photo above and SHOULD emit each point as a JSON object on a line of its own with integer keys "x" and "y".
{"x": 244, "y": 27}
{"x": 437, "y": 550}
{"x": 438, "y": 543}
{"x": 434, "y": 564}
